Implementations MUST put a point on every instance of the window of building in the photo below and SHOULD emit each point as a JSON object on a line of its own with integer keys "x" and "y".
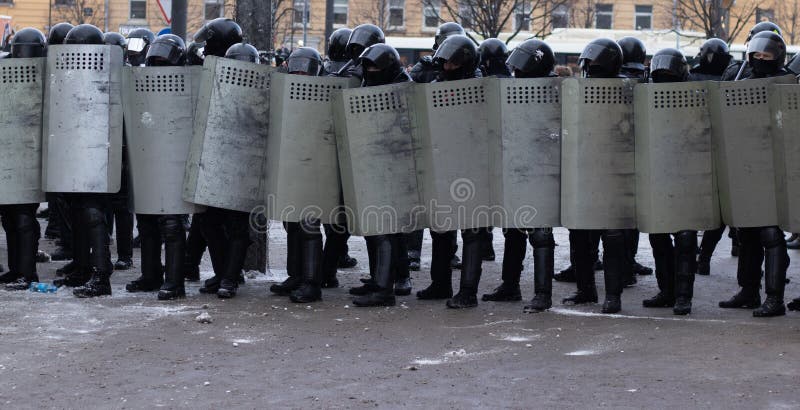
{"x": 604, "y": 16}
{"x": 643, "y": 18}
{"x": 63, "y": 2}
{"x": 340, "y": 8}
{"x": 299, "y": 6}
{"x": 397, "y": 13}
{"x": 522, "y": 16}
{"x": 138, "y": 9}
{"x": 764, "y": 15}
{"x": 430, "y": 14}
{"x": 560, "y": 16}
{"x": 213, "y": 9}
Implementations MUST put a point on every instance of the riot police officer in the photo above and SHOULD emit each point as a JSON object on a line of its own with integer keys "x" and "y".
{"x": 712, "y": 60}
{"x": 738, "y": 70}
{"x": 194, "y": 53}
{"x": 459, "y": 59}
{"x": 766, "y": 55}
{"x": 243, "y": 52}
{"x": 167, "y": 50}
{"x": 493, "y": 54}
{"x": 425, "y": 70}
{"x": 19, "y": 220}
{"x": 602, "y": 58}
{"x": 92, "y": 269}
{"x": 227, "y": 232}
{"x": 337, "y": 56}
{"x": 58, "y": 32}
{"x": 138, "y": 42}
{"x": 674, "y": 262}
{"x": 304, "y": 238}
{"x": 360, "y": 38}
{"x": 195, "y": 243}
{"x": 531, "y": 59}
{"x": 387, "y": 253}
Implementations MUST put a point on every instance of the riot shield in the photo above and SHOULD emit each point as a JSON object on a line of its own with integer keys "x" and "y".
{"x": 525, "y": 152}
{"x": 453, "y": 153}
{"x": 82, "y": 132}
{"x": 159, "y": 105}
{"x": 21, "y": 130}
{"x": 302, "y": 170}
{"x": 597, "y": 154}
{"x": 675, "y": 185}
{"x": 785, "y": 114}
{"x": 740, "y": 121}
{"x": 376, "y": 159}
{"x": 228, "y": 149}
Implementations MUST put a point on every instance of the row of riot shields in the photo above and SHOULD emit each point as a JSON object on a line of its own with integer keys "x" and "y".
{"x": 512, "y": 153}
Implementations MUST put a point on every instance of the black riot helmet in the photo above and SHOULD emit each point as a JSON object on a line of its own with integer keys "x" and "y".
{"x": 167, "y": 50}
{"x": 633, "y": 53}
{"x": 219, "y": 35}
{"x": 531, "y": 59}
{"x": 139, "y": 41}
{"x": 194, "y": 53}
{"x": 493, "y": 54}
{"x": 764, "y": 26}
{"x": 447, "y": 30}
{"x": 381, "y": 63}
{"x": 243, "y": 52}
{"x": 668, "y": 66}
{"x": 766, "y": 42}
{"x": 714, "y": 56}
{"x": 337, "y": 45}
{"x": 362, "y": 37}
{"x": 794, "y": 65}
{"x": 28, "y": 43}
{"x": 58, "y": 33}
{"x": 460, "y": 51}
{"x": 602, "y": 58}
{"x": 304, "y": 60}
{"x": 84, "y": 34}
{"x": 114, "y": 39}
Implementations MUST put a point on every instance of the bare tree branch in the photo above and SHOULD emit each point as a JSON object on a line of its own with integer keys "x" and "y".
{"x": 74, "y": 12}
{"x": 716, "y": 18}
{"x": 787, "y": 16}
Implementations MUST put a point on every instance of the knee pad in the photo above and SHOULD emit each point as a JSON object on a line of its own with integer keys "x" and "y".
{"x": 686, "y": 242}
{"x": 94, "y": 217}
{"x": 26, "y": 222}
{"x": 771, "y": 237}
{"x": 171, "y": 226}
{"x": 541, "y": 238}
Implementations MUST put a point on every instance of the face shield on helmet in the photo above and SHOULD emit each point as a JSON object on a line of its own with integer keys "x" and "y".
{"x": 533, "y": 58}
{"x": 167, "y": 50}
{"x": 669, "y": 66}
{"x": 766, "y": 53}
{"x": 305, "y": 61}
{"x": 381, "y": 64}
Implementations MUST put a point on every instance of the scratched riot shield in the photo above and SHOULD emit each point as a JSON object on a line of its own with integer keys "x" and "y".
{"x": 21, "y": 130}
{"x": 376, "y": 159}
{"x": 785, "y": 113}
{"x": 675, "y": 185}
{"x": 302, "y": 170}
{"x": 743, "y": 151}
{"x": 453, "y": 154}
{"x": 597, "y": 155}
{"x": 525, "y": 155}
{"x": 228, "y": 149}
{"x": 159, "y": 105}
{"x": 82, "y": 131}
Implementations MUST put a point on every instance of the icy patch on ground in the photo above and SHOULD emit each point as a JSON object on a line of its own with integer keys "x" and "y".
{"x": 456, "y": 356}
{"x": 487, "y": 324}
{"x": 581, "y": 313}
{"x": 581, "y": 353}
{"x": 519, "y": 338}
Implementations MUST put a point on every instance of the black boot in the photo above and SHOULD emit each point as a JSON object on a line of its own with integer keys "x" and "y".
{"x": 77, "y": 273}
{"x": 615, "y": 264}
{"x": 9, "y": 277}
{"x": 487, "y": 249}
{"x": 543, "y": 265}
{"x": 746, "y": 298}
{"x": 61, "y": 254}
{"x": 27, "y": 232}
{"x": 98, "y": 285}
{"x": 470, "y": 271}
{"x": 703, "y": 263}
{"x": 568, "y": 274}
{"x": 334, "y": 249}
{"x": 441, "y": 286}
{"x": 214, "y": 234}
{"x": 748, "y": 274}
{"x": 402, "y": 276}
{"x": 686, "y": 246}
{"x": 23, "y": 283}
{"x": 237, "y": 233}
{"x": 581, "y": 244}
{"x": 506, "y": 292}
{"x": 292, "y": 262}
{"x": 513, "y": 257}
{"x": 152, "y": 276}
{"x": 776, "y": 261}
{"x": 311, "y": 260}
{"x": 174, "y": 254}
{"x": 794, "y": 304}
{"x": 382, "y": 253}
{"x": 664, "y": 256}
{"x": 793, "y": 242}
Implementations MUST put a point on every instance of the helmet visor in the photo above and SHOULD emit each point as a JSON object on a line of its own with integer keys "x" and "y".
{"x": 672, "y": 64}
{"x": 167, "y": 52}
{"x": 136, "y": 45}
{"x": 303, "y": 64}
{"x": 453, "y": 53}
{"x": 523, "y": 60}
{"x": 766, "y": 45}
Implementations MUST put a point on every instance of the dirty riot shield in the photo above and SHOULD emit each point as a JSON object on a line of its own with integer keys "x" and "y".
{"x": 376, "y": 159}
{"x": 597, "y": 154}
{"x": 453, "y": 154}
{"x": 21, "y": 111}
{"x": 159, "y": 104}
{"x": 785, "y": 114}
{"x": 743, "y": 156}
{"x": 302, "y": 178}
{"x": 525, "y": 155}
{"x": 225, "y": 166}
{"x": 675, "y": 185}
{"x": 82, "y": 131}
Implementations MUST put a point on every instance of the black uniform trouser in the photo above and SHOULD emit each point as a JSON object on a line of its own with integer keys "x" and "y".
{"x": 195, "y": 242}
{"x": 335, "y": 248}
{"x": 170, "y": 228}
{"x": 227, "y": 234}
{"x": 304, "y": 250}
{"x": 414, "y": 242}
{"x": 675, "y": 262}
{"x": 615, "y": 256}
{"x": 712, "y": 238}
{"x": 443, "y": 249}
{"x": 516, "y": 246}
{"x": 90, "y": 232}
{"x": 61, "y": 206}
{"x": 122, "y": 217}
{"x": 22, "y": 235}
{"x": 757, "y": 245}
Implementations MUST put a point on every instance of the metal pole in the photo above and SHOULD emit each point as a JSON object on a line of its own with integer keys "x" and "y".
{"x": 105, "y": 16}
{"x": 305, "y": 23}
{"x": 675, "y": 24}
{"x": 179, "y": 12}
{"x": 328, "y": 21}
